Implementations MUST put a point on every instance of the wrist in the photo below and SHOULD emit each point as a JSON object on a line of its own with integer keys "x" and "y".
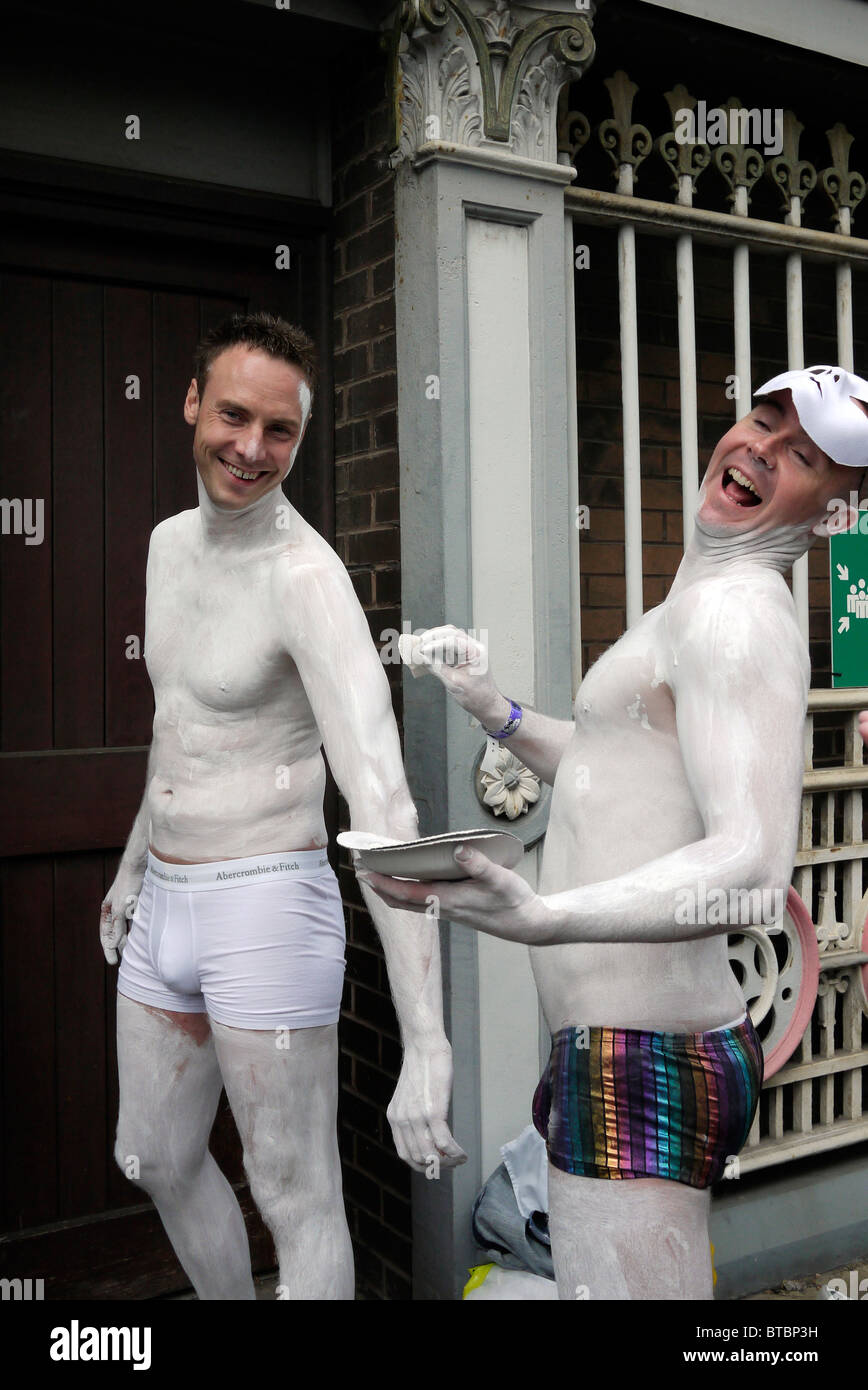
{"x": 427, "y": 1041}
{"x": 495, "y": 713}
{"x": 509, "y": 726}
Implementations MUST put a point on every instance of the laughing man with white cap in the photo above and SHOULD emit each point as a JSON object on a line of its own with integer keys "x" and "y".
{"x": 678, "y": 779}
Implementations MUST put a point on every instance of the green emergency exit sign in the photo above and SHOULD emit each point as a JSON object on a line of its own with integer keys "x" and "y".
{"x": 848, "y": 588}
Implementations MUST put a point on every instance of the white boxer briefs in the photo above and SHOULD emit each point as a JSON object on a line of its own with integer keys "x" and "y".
{"x": 254, "y": 943}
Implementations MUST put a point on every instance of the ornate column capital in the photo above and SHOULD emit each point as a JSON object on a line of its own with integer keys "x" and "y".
{"x": 485, "y": 72}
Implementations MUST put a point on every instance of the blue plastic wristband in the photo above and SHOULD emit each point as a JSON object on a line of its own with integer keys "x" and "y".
{"x": 512, "y": 723}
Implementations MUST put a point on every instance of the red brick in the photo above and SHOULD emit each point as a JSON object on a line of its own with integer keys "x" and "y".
{"x": 386, "y": 430}
{"x": 386, "y": 505}
{"x": 367, "y": 396}
{"x": 371, "y": 546}
{"x": 350, "y": 365}
{"x": 660, "y": 428}
{"x": 372, "y": 321}
{"x": 350, "y": 292}
{"x": 370, "y": 246}
{"x": 601, "y": 492}
{"x": 353, "y": 513}
{"x": 655, "y": 589}
{"x": 601, "y": 557}
{"x": 661, "y": 493}
{"x": 600, "y": 623}
{"x": 359, "y": 176}
{"x": 383, "y": 277}
{"x": 351, "y": 217}
{"x": 605, "y": 591}
{"x": 661, "y": 559}
{"x": 383, "y": 200}
{"x": 387, "y": 586}
{"x": 354, "y": 438}
{"x": 384, "y": 354}
{"x": 378, "y": 471}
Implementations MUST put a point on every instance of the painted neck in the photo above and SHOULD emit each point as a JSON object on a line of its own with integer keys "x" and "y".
{"x": 708, "y": 554}
{"x": 264, "y": 522}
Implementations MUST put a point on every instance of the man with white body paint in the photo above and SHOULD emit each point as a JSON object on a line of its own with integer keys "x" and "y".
{"x": 681, "y": 771}
{"x": 259, "y": 654}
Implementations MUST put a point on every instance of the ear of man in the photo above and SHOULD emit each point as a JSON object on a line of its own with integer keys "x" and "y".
{"x": 191, "y": 403}
{"x": 842, "y": 510}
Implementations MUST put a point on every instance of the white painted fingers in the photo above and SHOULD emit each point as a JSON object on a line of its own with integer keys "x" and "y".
{"x": 460, "y": 660}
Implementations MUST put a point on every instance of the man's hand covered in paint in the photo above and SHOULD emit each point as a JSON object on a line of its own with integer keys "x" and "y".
{"x": 461, "y": 663}
{"x": 491, "y": 899}
{"x": 116, "y": 911}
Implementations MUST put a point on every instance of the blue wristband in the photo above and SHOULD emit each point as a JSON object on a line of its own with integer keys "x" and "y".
{"x": 512, "y": 723}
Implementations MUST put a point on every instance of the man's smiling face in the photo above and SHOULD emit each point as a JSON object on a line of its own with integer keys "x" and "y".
{"x": 248, "y": 424}
{"x": 767, "y": 472}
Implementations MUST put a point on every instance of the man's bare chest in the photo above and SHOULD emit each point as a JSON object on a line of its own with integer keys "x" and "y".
{"x": 628, "y": 687}
{"x": 215, "y": 637}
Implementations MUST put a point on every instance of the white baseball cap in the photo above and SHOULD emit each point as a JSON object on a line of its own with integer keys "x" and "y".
{"x": 822, "y": 398}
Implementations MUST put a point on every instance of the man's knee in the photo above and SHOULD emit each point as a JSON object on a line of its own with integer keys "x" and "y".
{"x": 288, "y": 1185}
{"x": 153, "y": 1165}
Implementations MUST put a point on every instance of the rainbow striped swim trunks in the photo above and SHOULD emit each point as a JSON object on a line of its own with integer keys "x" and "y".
{"x": 628, "y": 1103}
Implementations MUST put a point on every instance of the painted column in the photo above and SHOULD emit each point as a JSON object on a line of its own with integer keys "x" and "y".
{"x": 482, "y": 289}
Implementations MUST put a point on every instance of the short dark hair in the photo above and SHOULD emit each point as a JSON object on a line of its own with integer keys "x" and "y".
{"x": 263, "y": 332}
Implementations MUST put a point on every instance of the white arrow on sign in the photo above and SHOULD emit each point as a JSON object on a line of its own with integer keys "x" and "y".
{"x": 843, "y": 572}
{"x": 843, "y": 625}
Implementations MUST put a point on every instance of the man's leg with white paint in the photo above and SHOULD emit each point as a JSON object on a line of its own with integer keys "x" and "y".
{"x": 630, "y": 1238}
{"x": 169, "y": 1091}
{"x": 283, "y": 1089}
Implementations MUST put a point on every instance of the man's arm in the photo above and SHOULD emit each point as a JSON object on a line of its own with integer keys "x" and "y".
{"x": 119, "y": 903}
{"x": 327, "y": 636}
{"x": 461, "y": 663}
{"x": 740, "y": 685}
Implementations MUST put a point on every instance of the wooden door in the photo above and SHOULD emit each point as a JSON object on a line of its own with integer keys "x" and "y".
{"x": 104, "y": 280}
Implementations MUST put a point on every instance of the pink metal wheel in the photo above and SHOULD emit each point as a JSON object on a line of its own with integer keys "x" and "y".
{"x": 780, "y": 994}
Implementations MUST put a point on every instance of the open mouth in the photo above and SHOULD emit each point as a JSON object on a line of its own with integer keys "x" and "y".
{"x": 738, "y": 487}
{"x": 241, "y": 475}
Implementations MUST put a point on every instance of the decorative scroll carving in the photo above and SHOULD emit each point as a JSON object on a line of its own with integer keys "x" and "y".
{"x": 739, "y": 163}
{"x": 683, "y": 158}
{"x": 845, "y": 188}
{"x": 793, "y": 176}
{"x": 471, "y": 73}
{"x": 625, "y": 142}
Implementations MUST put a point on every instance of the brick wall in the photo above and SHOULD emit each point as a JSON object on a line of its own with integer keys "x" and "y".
{"x": 376, "y": 1182}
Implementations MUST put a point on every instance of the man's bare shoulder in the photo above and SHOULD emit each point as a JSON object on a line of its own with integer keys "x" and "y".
{"x": 174, "y": 529}
{"x": 306, "y": 556}
{"x": 744, "y": 614}
{"x": 747, "y": 597}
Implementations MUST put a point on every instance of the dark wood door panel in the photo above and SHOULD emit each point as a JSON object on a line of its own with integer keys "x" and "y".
{"x": 77, "y": 526}
{"x": 128, "y": 331}
{"x": 66, "y": 801}
{"x": 26, "y": 716}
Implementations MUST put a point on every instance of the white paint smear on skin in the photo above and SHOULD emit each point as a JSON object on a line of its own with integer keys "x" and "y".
{"x": 638, "y": 711}
{"x": 305, "y": 399}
